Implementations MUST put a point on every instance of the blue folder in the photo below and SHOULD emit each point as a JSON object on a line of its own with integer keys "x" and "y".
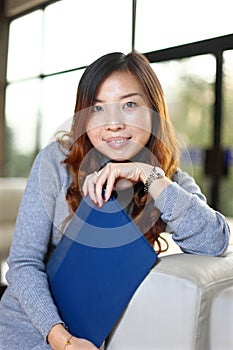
{"x": 96, "y": 268}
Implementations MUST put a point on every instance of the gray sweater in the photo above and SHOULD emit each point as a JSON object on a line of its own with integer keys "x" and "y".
{"x": 27, "y": 311}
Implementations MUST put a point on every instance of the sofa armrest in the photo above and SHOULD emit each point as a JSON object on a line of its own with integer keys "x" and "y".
{"x": 221, "y": 320}
{"x": 171, "y": 308}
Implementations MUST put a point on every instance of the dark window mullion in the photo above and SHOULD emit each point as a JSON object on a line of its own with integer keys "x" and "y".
{"x": 217, "y": 134}
{"x": 4, "y": 38}
{"x": 134, "y": 10}
{"x": 218, "y": 101}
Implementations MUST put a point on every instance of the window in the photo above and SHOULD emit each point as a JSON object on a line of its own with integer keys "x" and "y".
{"x": 57, "y": 105}
{"x": 22, "y": 114}
{"x": 189, "y": 90}
{"x": 227, "y": 127}
{"x": 63, "y": 38}
{"x": 227, "y": 98}
{"x": 170, "y": 23}
{"x": 50, "y": 47}
{"x": 76, "y": 32}
{"x": 25, "y": 39}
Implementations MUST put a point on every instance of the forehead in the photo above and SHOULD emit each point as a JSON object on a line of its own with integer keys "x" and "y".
{"x": 121, "y": 83}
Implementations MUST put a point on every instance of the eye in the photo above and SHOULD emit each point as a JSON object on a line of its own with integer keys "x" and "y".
{"x": 97, "y": 108}
{"x": 130, "y": 104}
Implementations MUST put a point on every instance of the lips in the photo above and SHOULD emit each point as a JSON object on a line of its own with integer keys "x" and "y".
{"x": 117, "y": 142}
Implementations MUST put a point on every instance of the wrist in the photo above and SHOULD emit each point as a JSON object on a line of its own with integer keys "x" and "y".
{"x": 58, "y": 337}
{"x": 155, "y": 174}
{"x": 145, "y": 170}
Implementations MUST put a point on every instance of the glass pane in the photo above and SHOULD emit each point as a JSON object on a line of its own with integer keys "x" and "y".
{"x": 22, "y": 104}
{"x": 58, "y": 102}
{"x": 77, "y": 32}
{"x": 188, "y": 85}
{"x": 166, "y": 23}
{"x": 227, "y": 139}
{"x": 24, "y": 56}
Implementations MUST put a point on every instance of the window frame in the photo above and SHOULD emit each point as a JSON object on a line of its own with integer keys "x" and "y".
{"x": 215, "y": 46}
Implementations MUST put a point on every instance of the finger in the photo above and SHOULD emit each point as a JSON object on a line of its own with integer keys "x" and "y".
{"x": 102, "y": 177}
{"x": 89, "y": 186}
{"x": 107, "y": 175}
{"x": 84, "y": 187}
{"x": 91, "y": 191}
{"x": 110, "y": 184}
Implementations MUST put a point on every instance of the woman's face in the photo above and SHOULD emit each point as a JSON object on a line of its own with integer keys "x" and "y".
{"x": 120, "y": 124}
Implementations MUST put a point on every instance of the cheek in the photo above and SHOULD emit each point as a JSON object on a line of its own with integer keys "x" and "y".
{"x": 144, "y": 127}
{"x": 94, "y": 136}
{"x": 142, "y": 133}
{"x": 143, "y": 136}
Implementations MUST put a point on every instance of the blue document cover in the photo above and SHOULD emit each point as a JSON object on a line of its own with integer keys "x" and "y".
{"x": 97, "y": 266}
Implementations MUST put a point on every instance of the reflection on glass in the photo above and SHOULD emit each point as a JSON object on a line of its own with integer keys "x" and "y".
{"x": 166, "y": 23}
{"x": 58, "y": 102}
{"x": 77, "y": 32}
{"x": 189, "y": 91}
{"x": 227, "y": 127}
{"x": 22, "y": 104}
{"x": 24, "y": 56}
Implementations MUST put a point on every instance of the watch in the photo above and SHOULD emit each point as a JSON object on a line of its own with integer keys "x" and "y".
{"x": 156, "y": 173}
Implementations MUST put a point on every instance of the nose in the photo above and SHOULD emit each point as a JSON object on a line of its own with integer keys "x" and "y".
{"x": 115, "y": 119}
{"x": 115, "y": 126}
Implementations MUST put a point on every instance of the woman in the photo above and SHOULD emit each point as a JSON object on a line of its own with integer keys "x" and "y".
{"x": 122, "y": 140}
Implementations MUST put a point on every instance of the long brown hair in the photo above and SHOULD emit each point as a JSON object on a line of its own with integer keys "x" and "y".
{"x": 83, "y": 159}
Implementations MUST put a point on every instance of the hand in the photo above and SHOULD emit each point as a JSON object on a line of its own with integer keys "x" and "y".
{"x": 58, "y": 336}
{"x": 110, "y": 174}
{"x": 80, "y": 344}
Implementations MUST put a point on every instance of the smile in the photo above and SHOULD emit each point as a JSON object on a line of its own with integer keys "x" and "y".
{"x": 117, "y": 143}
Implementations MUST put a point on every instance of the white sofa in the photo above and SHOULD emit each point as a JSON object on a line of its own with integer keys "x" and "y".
{"x": 185, "y": 303}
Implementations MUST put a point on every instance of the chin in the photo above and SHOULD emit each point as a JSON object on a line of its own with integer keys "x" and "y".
{"x": 120, "y": 156}
{"x": 116, "y": 157}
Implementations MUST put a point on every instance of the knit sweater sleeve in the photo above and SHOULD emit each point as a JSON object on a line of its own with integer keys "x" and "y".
{"x": 26, "y": 275}
{"x": 195, "y": 226}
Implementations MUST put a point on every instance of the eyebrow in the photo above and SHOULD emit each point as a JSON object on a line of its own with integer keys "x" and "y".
{"x": 123, "y": 97}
